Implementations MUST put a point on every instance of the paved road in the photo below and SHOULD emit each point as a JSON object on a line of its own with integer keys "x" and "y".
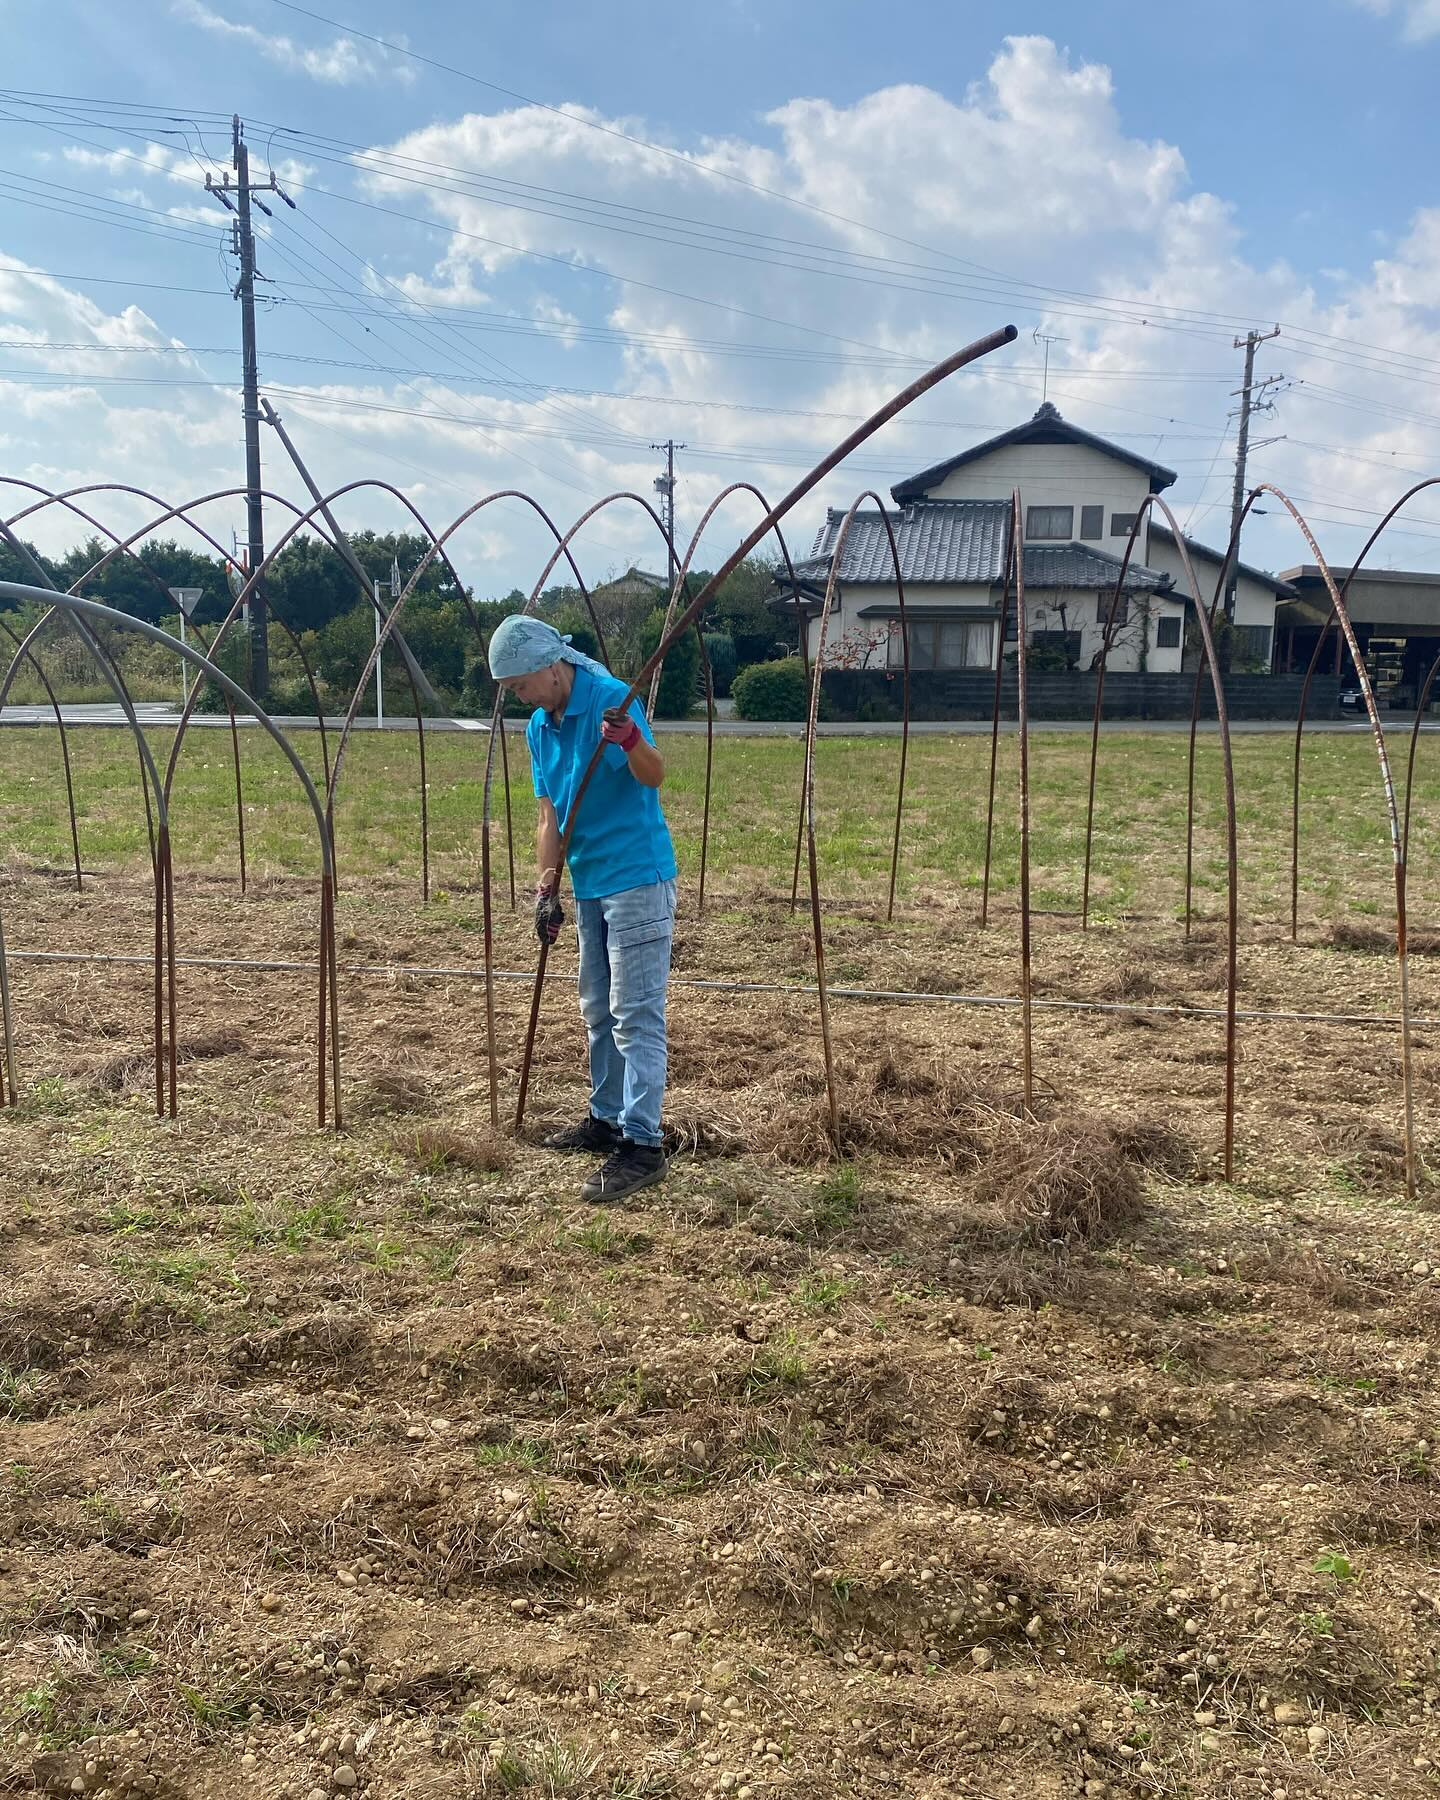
{"x": 160, "y": 715}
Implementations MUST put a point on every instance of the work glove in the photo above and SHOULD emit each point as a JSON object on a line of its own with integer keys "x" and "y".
{"x": 619, "y": 728}
{"x": 549, "y": 914}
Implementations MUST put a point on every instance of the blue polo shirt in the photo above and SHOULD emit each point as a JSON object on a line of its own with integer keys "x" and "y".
{"x": 621, "y": 840}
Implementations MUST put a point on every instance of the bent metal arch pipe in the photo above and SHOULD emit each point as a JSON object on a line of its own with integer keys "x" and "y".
{"x": 35, "y": 663}
{"x": 806, "y": 820}
{"x": 735, "y": 487}
{"x": 981, "y": 347}
{"x": 1397, "y": 845}
{"x": 159, "y": 845}
{"x": 1015, "y": 568}
{"x": 1314, "y": 663}
{"x": 92, "y": 610}
{"x": 126, "y": 547}
{"x": 1208, "y": 662}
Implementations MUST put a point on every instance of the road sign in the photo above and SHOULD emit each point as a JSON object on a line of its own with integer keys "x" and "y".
{"x": 187, "y": 599}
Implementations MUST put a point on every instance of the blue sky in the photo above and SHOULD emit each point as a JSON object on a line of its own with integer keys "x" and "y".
{"x": 581, "y": 235}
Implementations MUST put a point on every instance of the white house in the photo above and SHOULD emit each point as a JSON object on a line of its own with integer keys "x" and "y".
{"x": 1080, "y": 495}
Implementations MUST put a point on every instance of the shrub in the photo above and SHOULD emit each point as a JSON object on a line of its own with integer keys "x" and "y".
{"x": 720, "y": 648}
{"x": 772, "y": 690}
{"x": 679, "y": 680}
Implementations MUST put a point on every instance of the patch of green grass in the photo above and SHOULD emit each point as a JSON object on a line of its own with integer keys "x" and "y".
{"x": 837, "y": 1200}
{"x": 298, "y": 1435}
{"x": 328, "y": 1220}
{"x": 777, "y": 1369}
{"x": 819, "y": 1293}
{"x": 125, "y": 1662}
{"x": 22, "y": 1480}
{"x": 104, "y": 1508}
{"x": 215, "y": 1715}
{"x": 42, "y": 1711}
{"x": 440, "y": 1258}
{"x": 601, "y": 1236}
{"x": 385, "y": 1251}
{"x": 629, "y": 1390}
{"x": 123, "y": 1220}
{"x": 21, "y": 1392}
{"x": 515, "y": 1453}
{"x": 48, "y": 1098}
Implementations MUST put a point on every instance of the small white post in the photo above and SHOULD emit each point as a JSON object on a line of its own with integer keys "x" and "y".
{"x": 379, "y": 662}
{"x": 186, "y": 599}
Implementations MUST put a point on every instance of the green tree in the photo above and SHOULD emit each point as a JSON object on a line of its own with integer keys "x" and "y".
{"x": 740, "y": 610}
{"x": 679, "y": 680}
{"x": 720, "y": 648}
{"x": 14, "y": 567}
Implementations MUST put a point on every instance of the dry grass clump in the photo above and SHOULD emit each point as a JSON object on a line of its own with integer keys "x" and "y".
{"x": 1059, "y": 1182}
{"x": 1153, "y": 1144}
{"x": 922, "y": 1109}
{"x": 1345, "y": 934}
{"x": 704, "y": 1135}
{"x": 396, "y": 1091}
{"x": 437, "y": 1149}
{"x": 1374, "y": 1158}
{"x": 136, "y": 1068}
{"x": 1133, "y": 981}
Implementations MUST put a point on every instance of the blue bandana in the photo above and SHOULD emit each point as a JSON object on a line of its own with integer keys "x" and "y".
{"x": 521, "y": 645}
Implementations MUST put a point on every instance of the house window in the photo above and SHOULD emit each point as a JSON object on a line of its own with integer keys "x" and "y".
{"x": 1167, "y": 633}
{"x": 1049, "y": 521}
{"x": 1252, "y": 646}
{"x": 943, "y": 644}
{"x": 1122, "y": 611}
{"x": 1122, "y": 524}
{"x": 1092, "y": 521}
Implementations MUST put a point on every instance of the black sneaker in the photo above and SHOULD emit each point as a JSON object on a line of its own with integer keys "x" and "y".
{"x": 591, "y": 1134}
{"x": 628, "y": 1168}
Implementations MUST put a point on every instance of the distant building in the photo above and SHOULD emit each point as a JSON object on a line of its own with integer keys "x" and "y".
{"x": 635, "y": 584}
{"x": 1396, "y": 615}
{"x": 1081, "y": 494}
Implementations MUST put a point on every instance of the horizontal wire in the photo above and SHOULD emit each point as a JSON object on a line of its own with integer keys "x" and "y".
{"x": 899, "y": 996}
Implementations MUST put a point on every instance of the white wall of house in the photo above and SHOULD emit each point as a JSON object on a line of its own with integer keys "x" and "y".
{"x": 1254, "y": 601}
{"x": 1070, "y": 475}
{"x": 1141, "y": 636}
{"x": 854, "y": 642}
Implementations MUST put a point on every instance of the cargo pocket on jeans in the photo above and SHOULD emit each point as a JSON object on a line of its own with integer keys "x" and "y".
{"x": 640, "y": 961}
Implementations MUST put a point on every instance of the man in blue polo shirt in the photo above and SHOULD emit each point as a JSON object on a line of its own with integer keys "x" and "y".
{"x": 622, "y": 868}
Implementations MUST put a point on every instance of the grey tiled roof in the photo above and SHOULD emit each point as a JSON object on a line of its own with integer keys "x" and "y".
{"x": 1046, "y": 427}
{"x": 947, "y": 540}
{"x": 1082, "y": 566}
{"x": 959, "y": 541}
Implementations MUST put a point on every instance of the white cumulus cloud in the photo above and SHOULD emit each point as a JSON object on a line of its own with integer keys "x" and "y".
{"x": 343, "y": 61}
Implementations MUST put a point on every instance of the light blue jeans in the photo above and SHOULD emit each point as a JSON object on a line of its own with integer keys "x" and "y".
{"x": 625, "y": 943}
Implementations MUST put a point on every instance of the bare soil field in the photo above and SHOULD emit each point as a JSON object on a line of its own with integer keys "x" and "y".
{"x": 992, "y": 1457}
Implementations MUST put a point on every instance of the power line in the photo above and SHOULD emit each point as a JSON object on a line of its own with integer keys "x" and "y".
{"x": 1301, "y": 336}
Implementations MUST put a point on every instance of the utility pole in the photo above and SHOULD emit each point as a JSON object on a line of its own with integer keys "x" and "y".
{"x": 243, "y": 191}
{"x": 665, "y": 487}
{"x": 1242, "y": 450}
